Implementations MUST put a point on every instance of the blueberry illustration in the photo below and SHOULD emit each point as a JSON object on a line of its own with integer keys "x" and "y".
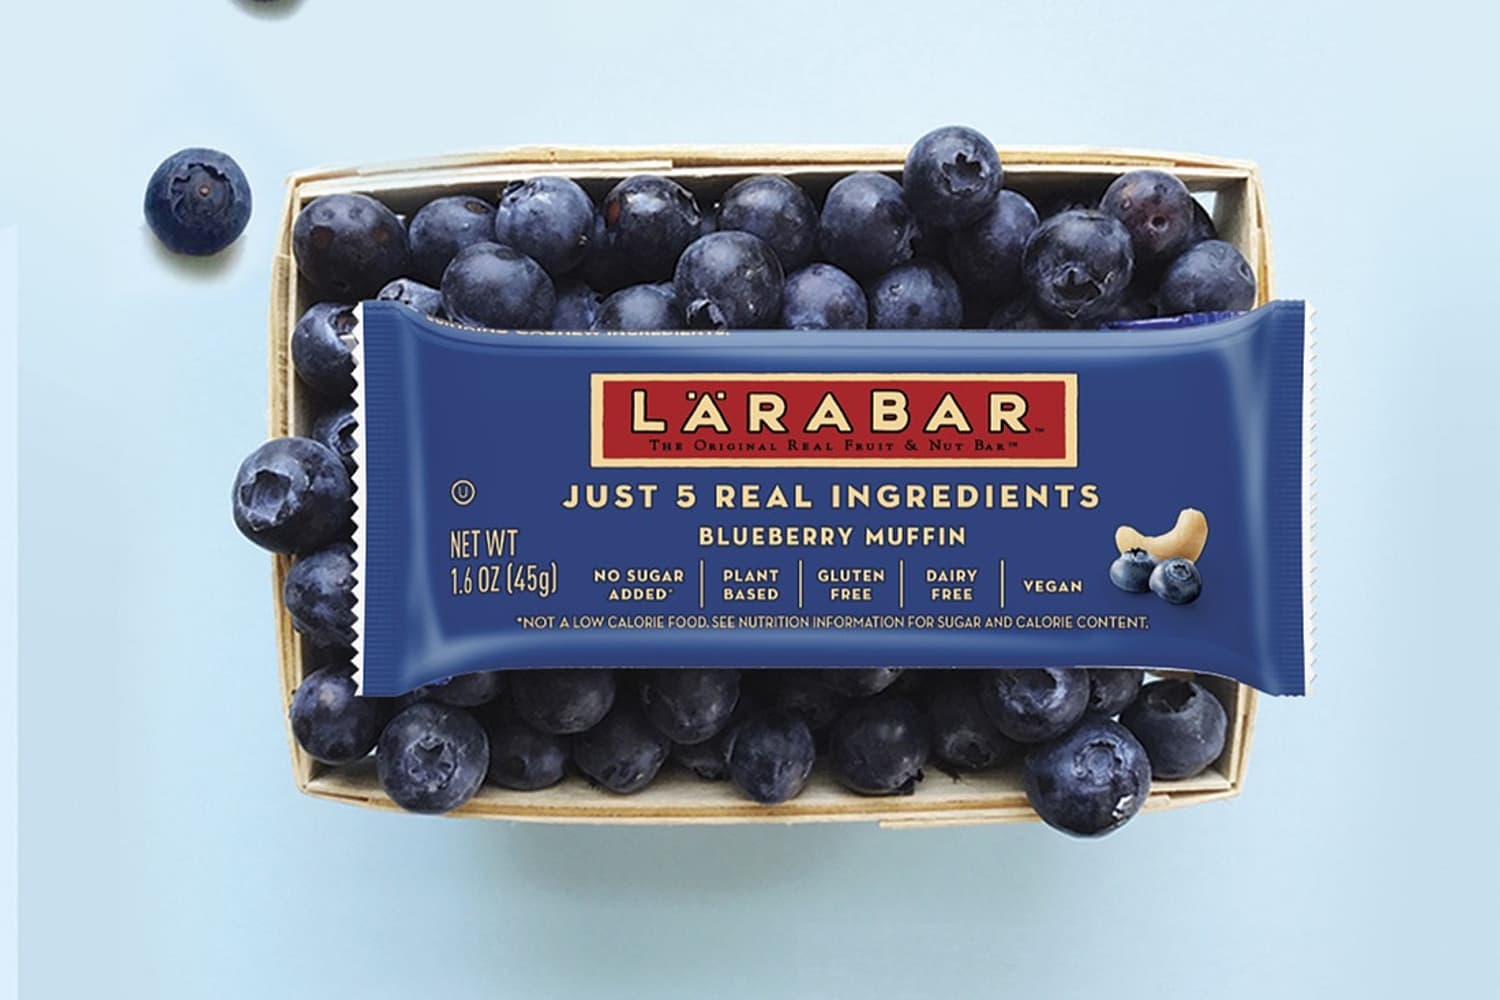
{"x": 349, "y": 245}
{"x": 952, "y": 176}
{"x": 1034, "y": 705}
{"x": 432, "y": 758}
{"x": 650, "y": 221}
{"x": 688, "y": 705}
{"x": 577, "y": 306}
{"x": 331, "y": 722}
{"x": 198, "y": 202}
{"x": 490, "y": 285}
{"x": 562, "y": 701}
{"x": 859, "y": 682}
{"x": 319, "y": 595}
{"x": 771, "y": 756}
{"x": 1132, "y": 571}
{"x": 804, "y": 694}
{"x": 465, "y": 690}
{"x": 424, "y": 299}
{"x": 1078, "y": 265}
{"x": 866, "y": 227}
{"x": 986, "y": 254}
{"x": 879, "y": 746}
{"x": 1211, "y": 276}
{"x": 1090, "y": 780}
{"x": 1180, "y": 723}
{"x": 1157, "y": 210}
{"x": 962, "y": 734}
{"x": 729, "y": 280}
{"x": 292, "y": 495}
{"x": 322, "y": 348}
{"x": 549, "y": 219}
{"x": 1176, "y": 581}
{"x": 522, "y": 757}
{"x": 623, "y": 753}
{"x": 821, "y": 297}
{"x": 334, "y": 429}
{"x": 443, "y": 227}
{"x": 920, "y": 295}
{"x": 639, "y": 307}
{"x": 1110, "y": 690}
{"x": 776, "y": 210}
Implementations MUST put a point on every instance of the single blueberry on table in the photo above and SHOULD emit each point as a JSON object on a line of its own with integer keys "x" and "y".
{"x": 639, "y": 307}
{"x": 1090, "y": 780}
{"x": 880, "y": 745}
{"x": 866, "y": 227}
{"x": 822, "y": 297}
{"x": 323, "y": 348}
{"x": 1211, "y": 276}
{"x": 1176, "y": 581}
{"x": 690, "y": 705}
{"x": 859, "y": 682}
{"x": 985, "y": 255}
{"x": 623, "y": 753}
{"x": 1078, "y": 265}
{"x": 562, "y": 701}
{"x": 432, "y": 758}
{"x": 331, "y": 722}
{"x": 198, "y": 202}
{"x": 804, "y": 694}
{"x": 443, "y": 227}
{"x": 920, "y": 295}
{"x": 952, "y": 176}
{"x": 335, "y": 429}
{"x": 771, "y": 756}
{"x": 522, "y": 757}
{"x": 1111, "y": 689}
{"x": 650, "y": 220}
{"x": 465, "y": 690}
{"x": 1036, "y": 704}
{"x": 349, "y": 245}
{"x": 292, "y": 494}
{"x": 549, "y": 219}
{"x": 1181, "y": 724}
{"x": 729, "y": 280}
{"x": 494, "y": 286}
{"x": 423, "y": 298}
{"x": 1158, "y": 212}
{"x": 963, "y": 736}
{"x": 319, "y": 595}
{"x": 577, "y": 306}
{"x": 1132, "y": 571}
{"x": 778, "y": 211}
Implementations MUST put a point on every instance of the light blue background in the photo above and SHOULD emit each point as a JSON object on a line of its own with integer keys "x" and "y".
{"x": 164, "y": 851}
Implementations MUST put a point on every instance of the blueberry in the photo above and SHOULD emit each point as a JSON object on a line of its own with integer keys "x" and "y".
{"x": 859, "y": 682}
{"x": 706, "y": 760}
{"x": 1078, "y": 265}
{"x": 639, "y": 307}
{"x": 1181, "y": 725}
{"x": 349, "y": 245}
{"x": 879, "y": 746}
{"x": 962, "y": 734}
{"x": 689, "y": 705}
{"x": 1089, "y": 781}
{"x": 292, "y": 495}
{"x": 866, "y": 227}
{"x": 423, "y": 298}
{"x": 729, "y": 280}
{"x": 921, "y": 295}
{"x": 623, "y": 753}
{"x": 1132, "y": 571}
{"x": 1211, "y": 276}
{"x": 803, "y": 694}
{"x": 432, "y": 758}
{"x": 771, "y": 756}
{"x": 952, "y": 176}
{"x": 334, "y": 429}
{"x": 319, "y": 595}
{"x": 986, "y": 254}
{"x": 1176, "y": 581}
{"x": 563, "y": 701}
{"x": 821, "y": 297}
{"x": 549, "y": 219}
{"x": 331, "y": 722}
{"x": 1021, "y": 314}
{"x": 1034, "y": 705}
{"x": 778, "y": 211}
{"x": 577, "y": 306}
{"x": 1203, "y": 224}
{"x": 322, "y": 348}
{"x": 443, "y": 227}
{"x": 605, "y": 266}
{"x": 1157, "y": 210}
{"x": 465, "y": 690}
{"x": 522, "y": 757}
{"x": 1110, "y": 690}
{"x": 198, "y": 202}
{"x": 1133, "y": 309}
{"x": 491, "y": 285}
{"x": 651, "y": 220}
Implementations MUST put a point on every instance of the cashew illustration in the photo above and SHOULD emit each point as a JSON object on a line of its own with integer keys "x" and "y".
{"x": 1184, "y": 541}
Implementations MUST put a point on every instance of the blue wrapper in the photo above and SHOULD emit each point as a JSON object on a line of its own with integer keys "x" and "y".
{"x": 859, "y": 499}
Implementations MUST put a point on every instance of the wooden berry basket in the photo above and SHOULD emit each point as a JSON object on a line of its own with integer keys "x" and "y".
{"x": 1237, "y": 203}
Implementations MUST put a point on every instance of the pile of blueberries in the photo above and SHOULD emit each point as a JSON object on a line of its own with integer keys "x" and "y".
{"x": 1176, "y": 580}
{"x": 946, "y": 246}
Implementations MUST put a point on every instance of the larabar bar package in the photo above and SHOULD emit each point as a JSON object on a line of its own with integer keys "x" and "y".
{"x": 1132, "y": 497}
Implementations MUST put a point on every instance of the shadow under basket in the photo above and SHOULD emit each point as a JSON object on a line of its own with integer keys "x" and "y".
{"x": 1230, "y": 189}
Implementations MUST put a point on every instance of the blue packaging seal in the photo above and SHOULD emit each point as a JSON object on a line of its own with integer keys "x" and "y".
{"x": 834, "y": 499}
